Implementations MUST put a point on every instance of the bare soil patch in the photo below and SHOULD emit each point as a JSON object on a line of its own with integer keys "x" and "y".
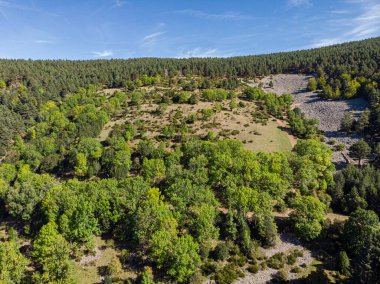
{"x": 328, "y": 112}
{"x": 285, "y": 243}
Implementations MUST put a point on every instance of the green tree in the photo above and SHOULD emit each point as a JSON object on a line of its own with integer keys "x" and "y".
{"x": 308, "y": 216}
{"x": 51, "y": 252}
{"x": 364, "y": 121}
{"x": 360, "y": 150}
{"x": 153, "y": 169}
{"x": 312, "y": 84}
{"x": 12, "y": 263}
{"x": 202, "y": 222}
{"x": 183, "y": 258}
{"x": 344, "y": 263}
{"x": 80, "y": 167}
{"x": 347, "y": 122}
{"x": 360, "y": 229}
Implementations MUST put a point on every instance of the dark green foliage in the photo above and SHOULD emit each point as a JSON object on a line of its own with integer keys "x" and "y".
{"x": 347, "y": 123}
{"x": 362, "y": 240}
{"x": 221, "y": 252}
{"x": 344, "y": 263}
{"x": 360, "y": 230}
{"x": 356, "y": 188}
{"x": 11, "y": 124}
{"x": 360, "y": 150}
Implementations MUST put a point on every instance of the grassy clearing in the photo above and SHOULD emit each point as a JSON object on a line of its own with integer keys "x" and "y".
{"x": 89, "y": 271}
{"x": 271, "y": 139}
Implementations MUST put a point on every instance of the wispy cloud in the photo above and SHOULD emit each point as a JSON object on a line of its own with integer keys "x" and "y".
{"x": 229, "y": 15}
{"x": 297, "y": 3}
{"x": 104, "y": 53}
{"x": 43, "y": 41}
{"x": 151, "y": 39}
{"x": 348, "y": 27}
{"x": 118, "y": 4}
{"x": 203, "y": 52}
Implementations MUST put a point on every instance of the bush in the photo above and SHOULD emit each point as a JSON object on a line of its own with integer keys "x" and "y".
{"x": 209, "y": 267}
{"x": 228, "y": 274}
{"x": 277, "y": 261}
{"x": 235, "y": 132}
{"x": 239, "y": 260}
{"x": 295, "y": 269}
{"x": 197, "y": 278}
{"x": 254, "y": 268}
{"x": 291, "y": 259}
{"x": 282, "y": 275}
{"x": 339, "y": 147}
{"x": 221, "y": 252}
{"x": 233, "y": 248}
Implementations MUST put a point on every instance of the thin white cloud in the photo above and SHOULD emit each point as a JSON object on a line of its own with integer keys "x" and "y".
{"x": 43, "y": 41}
{"x": 203, "y": 52}
{"x": 366, "y": 24}
{"x": 297, "y": 3}
{"x": 104, "y": 53}
{"x": 229, "y": 15}
{"x": 118, "y": 4}
{"x": 151, "y": 39}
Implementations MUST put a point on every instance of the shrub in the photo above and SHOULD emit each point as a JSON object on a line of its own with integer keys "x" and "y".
{"x": 254, "y": 268}
{"x": 277, "y": 261}
{"x": 209, "y": 267}
{"x": 295, "y": 269}
{"x": 235, "y": 132}
{"x": 282, "y": 275}
{"x": 239, "y": 260}
{"x": 228, "y": 274}
{"x": 291, "y": 259}
{"x": 221, "y": 252}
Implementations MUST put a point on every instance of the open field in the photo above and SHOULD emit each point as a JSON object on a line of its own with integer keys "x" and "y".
{"x": 274, "y": 136}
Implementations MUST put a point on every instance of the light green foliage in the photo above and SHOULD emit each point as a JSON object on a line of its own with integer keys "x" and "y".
{"x": 51, "y": 251}
{"x": 73, "y": 211}
{"x": 202, "y": 222}
{"x": 216, "y": 95}
{"x": 313, "y": 168}
{"x": 153, "y": 169}
{"x": 184, "y": 258}
{"x": 80, "y": 167}
{"x": 301, "y": 126}
{"x": 308, "y": 216}
{"x": 178, "y": 254}
{"x": 27, "y": 192}
{"x": 12, "y": 263}
{"x": 312, "y": 84}
{"x": 151, "y": 216}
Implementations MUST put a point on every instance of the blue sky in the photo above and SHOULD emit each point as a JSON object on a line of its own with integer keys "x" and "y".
{"x": 90, "y": 29}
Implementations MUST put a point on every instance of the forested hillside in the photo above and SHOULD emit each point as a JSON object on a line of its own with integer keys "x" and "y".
{"x": 359, "y": 58}
{"x": 160, "y": 179}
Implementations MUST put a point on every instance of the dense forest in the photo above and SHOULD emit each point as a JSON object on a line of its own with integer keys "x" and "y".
{"x": 176, "y": 201}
